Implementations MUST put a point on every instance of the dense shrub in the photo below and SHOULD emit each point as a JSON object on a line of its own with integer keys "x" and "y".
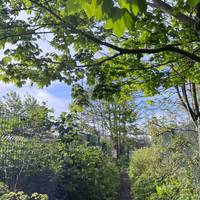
{"x": 165, "y": 172}
{"x": 145, "y": 172}
{"x": 5, "y": 194}
{"x": 23, "y": 196}
{"x": 29, "y": 165}
{"x": 3, "y": 189}
{"x": 87, "y": 174}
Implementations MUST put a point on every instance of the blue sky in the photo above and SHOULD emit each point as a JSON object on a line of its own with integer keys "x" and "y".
{"x": 57, "y": 95}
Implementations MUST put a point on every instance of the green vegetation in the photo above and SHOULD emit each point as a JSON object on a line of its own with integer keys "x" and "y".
{"x": 167, "y": 170}
{"x": 88, "y": 174}
{"x": 118, "y": 49}
{"x": 62, "y": 166}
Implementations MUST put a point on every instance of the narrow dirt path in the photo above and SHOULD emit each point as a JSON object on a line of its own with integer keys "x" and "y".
{"x": 125, "y": 187}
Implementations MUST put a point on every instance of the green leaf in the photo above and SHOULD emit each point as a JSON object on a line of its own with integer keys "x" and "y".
{"x": 150, "y": 102}
{"x": 73, "y": 7}
{"x": 124, "y": 4}
{"x": 138, "y": 6}
{"x": 99, "y": 12}
{"x": 142, "y": 5}
{"x": 28, "y": 12}
{"x": 109, "y": 24}
{"x": 90, "y": 8}
{"x": 118, "y": 22}
{"x": 6, "y": 60}
{"x": 135, "y": 8}
{"x": 2, "y": 45}
{"x": 193, "y": 2}
{"x": 63, "y": 13}
{"x": 129, "y": 21}
{"x": 119, "y": 27}
{"x": 76, "y": 108}
{"x": 107, "y": 7}
{"x": 28, "y": 3}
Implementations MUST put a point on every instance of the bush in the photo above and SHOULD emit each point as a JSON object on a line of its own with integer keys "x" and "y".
{"x": 5, "y": 194}
{"x": 145, "y": 172}
{"x": 29, "y": 165}
{"x": 171, "y": 172}
{"x": 23, "y": 196}
{"x": 87, "y": 175}
{"x": 3, "y": 188}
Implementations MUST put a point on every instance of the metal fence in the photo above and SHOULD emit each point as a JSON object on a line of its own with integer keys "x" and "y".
{"x": 18, "y": 152}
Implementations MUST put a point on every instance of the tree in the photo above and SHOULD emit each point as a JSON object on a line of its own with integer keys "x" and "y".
{"x": 155, "y": 44}
{"x": 25, "y": 116}
{"x": 102, "y": 118}
{"x": 29, "y": 153}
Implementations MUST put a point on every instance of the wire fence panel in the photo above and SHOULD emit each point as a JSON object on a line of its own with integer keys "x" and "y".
{"x": 26, "y": 161}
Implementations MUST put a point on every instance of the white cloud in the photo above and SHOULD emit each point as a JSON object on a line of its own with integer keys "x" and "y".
{"x": 58, "y": 102}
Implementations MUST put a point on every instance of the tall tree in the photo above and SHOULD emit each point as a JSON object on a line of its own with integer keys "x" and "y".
{"x": 113, "y": 119}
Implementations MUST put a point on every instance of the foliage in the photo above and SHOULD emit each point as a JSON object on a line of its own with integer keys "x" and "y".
{"x": 155, "y": 46}
{"x": 23, "y": 196}
{"x": 22, "y": 159}
{"x": 29, "y": 155}
{"x": 112, "y": 118}
{"x": 155, "y": 49}
{"x": 25, "y": 115}
{"x": 166, "y": 172}
{"x": 145, "y": 172}
{"x": 3, "y": 188}
{"x": 87, "y": 174}
{"x": 117, "y": 17}
{"x": 5, "y": 194}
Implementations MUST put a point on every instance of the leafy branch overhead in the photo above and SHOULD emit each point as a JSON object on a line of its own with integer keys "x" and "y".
{"x": 127, "y": 44}
{"x": 120, "y": 15}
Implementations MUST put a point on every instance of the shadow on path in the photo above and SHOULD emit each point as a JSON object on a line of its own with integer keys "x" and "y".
{"x": 125, "y": 187}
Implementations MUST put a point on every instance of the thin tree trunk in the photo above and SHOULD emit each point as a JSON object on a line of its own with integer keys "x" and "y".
{"x": 188, "y": 99}
{"x": 198, "y": 133}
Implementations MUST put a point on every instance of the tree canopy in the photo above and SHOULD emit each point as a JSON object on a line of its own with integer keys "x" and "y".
{"x": 119, "y": 46}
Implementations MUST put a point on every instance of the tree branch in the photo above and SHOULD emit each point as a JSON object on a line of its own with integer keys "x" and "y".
{"x": 185, "y": 97}
{"x": 24, "y": 34}
{"x": 100, "y": 62}
{"x": 166, "y": 48}
{"x": 169, "y": 10}
{"x": 181, "y": 98}
{"x": 178, "y": 73}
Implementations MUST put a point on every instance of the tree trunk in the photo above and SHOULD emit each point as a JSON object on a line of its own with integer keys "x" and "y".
{"x": 198, "y": 133}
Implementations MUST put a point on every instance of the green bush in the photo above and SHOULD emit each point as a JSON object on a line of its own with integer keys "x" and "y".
{"x": 87, "y": 174}
{"x": 23, "y": 196}
{"x": 145, "y": 172}
{"x": 165, "y": 173}
{"x": 3, "y": 188}
{"x": 5, "y": 194}
{"x": 29, "y": 165}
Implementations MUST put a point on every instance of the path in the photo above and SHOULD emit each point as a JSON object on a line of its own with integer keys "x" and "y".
{"x": 125, "y": 187}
